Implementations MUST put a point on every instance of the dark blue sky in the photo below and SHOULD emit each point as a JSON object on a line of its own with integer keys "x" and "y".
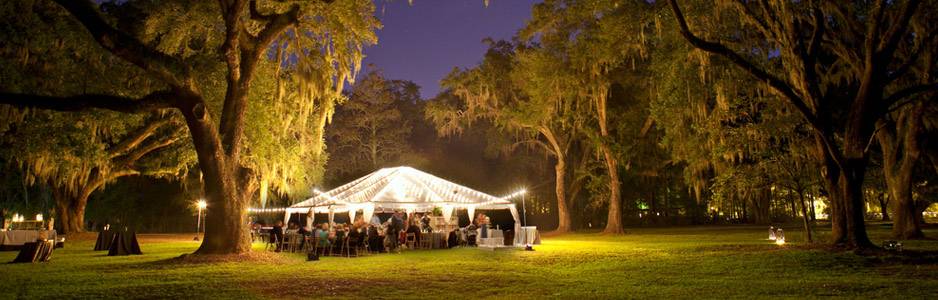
{"x": 423, "y": 42}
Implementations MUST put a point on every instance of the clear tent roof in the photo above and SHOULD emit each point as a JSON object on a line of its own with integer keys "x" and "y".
{"x": 403, "y": 188}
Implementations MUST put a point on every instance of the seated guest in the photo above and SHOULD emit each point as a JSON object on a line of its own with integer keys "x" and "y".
{"x": 303, "y": 230}
{"x": 323, "y": 233}
{"x": 276, "y": 235}
{"x": 317, "y": 230}
{"x": 413, "y": 228}
{"x": 402, "y": 238}
{"x": 375, "y": 242}
{"x": 340, "y": 235}
{"x": 332, "y": 232}
{"x": 452, "y": 240}
{"x": 425, "y": 223}
{"x": 355, "y": 237}
{"x": 291, "y": 228}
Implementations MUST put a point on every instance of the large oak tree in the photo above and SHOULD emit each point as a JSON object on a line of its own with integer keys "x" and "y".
{"x": 839, "y": 64}
{"x": 325, "y": 38}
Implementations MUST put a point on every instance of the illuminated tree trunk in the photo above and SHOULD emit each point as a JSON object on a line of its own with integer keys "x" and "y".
{"x": 900, "y": 156}
{"x": 563, "y": 213}
{"x": 227, "y": 184}
{"x": 560, "y": 171}
{"x": 69, "y": 211}
{"x": 614, "y": 219}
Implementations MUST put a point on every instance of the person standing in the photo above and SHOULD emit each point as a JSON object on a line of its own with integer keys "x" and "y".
{"x": 394, "y": 229}
{"x": 276, "y": 235}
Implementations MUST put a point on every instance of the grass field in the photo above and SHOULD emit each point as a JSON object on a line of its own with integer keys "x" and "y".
{"x": 685, "y": 262}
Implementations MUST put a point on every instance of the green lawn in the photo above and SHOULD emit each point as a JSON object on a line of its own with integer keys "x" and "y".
{"x": 686, "y": 262}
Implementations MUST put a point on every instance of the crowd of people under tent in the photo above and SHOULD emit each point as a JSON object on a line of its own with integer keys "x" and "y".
{"x": 374, "y": 235}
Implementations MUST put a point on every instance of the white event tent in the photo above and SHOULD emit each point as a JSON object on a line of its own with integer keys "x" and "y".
{"x": 400, "y": 188}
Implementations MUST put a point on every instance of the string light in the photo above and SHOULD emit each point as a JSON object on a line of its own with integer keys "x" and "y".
{"x": 516, "y": 194}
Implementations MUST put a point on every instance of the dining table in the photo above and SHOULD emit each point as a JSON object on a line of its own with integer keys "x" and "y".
{"x": 528, "y": 235}
{"x": 438, "y": 239}
{"x": 18, "y": 237}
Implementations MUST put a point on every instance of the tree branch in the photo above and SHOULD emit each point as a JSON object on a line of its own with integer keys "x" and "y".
{"x": 256, "y": 14}
{"x": 137, "y": 137}
{"x": 241, "y": 72}
{"x": 719, "y": 49}
{"x": 151, "y": 102}
{"x": 890, "y": 41}
{"x": 754, "y": 19}
{"x": 152, "y": 146}
{"x": 166, "y": 67}
{"x": 913, "y": 56}
{"x": 908, "y": 92}
{"x": 814, "y": 46}
{"x": 278, "y": 23}
{"x": 869, "y": 50}
{"x": 851, "y": 25}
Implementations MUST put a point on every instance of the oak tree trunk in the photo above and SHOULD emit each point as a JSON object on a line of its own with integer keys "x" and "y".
{"x": 69, "y": 211}
{"x": 563, "y": 213}
{"x": 226, "y": 185}
{"x": 614, "y": 220}
{"x": 900, "y": 145}
{"x": 853, "y": 210}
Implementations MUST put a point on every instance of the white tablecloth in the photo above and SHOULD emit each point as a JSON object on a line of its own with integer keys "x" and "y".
{"x": 495, "y": 238}
{"x": 438, "y": 239}
{"x": 19, "y": 237}
{"x": 533, "y": 237}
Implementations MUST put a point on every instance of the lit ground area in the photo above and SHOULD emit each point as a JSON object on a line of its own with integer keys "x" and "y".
{"x": 688, "y": 262}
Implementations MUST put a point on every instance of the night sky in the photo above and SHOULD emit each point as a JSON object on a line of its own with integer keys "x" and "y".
{"x": 423, "y": 42}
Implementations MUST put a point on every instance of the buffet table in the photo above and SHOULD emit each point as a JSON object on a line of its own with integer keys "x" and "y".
{"x": 528, "y": 235}
{"x": 438, "y": 240}
{"x": 16, "y": 238}
{"x": 496, "y": 238}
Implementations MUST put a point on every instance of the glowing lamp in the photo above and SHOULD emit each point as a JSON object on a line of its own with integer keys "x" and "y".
{"x": 38, "y": 217}
{"x": 202, "y": 204}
